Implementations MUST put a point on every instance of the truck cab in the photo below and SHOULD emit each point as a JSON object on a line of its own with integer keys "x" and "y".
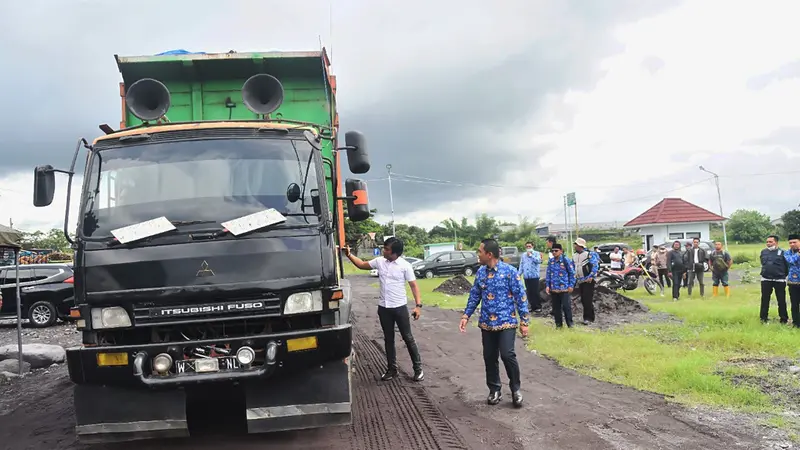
{"x": 207, "y": 262}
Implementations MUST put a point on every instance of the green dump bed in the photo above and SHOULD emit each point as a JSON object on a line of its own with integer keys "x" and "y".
{"x": 200, "y": 85}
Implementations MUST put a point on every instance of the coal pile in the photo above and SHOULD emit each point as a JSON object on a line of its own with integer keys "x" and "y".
{"x": 457, "y": 285}
{"x": 607, "y": 302}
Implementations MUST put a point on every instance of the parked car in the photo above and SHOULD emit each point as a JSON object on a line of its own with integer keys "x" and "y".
{"x": 510, "y": 255}
{"x": 410, "y": 259}
{"x": 604, "y": 249}
{"x": 47, "y": 292}
{"x": 447, "y": 263}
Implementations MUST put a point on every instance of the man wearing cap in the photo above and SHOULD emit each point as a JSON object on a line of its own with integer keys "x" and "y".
{"x": 586, "y": 264}
{"x": 793, "y": 258}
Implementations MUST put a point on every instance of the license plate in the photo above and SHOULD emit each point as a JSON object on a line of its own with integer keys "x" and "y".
{"x": 206, "y": 365}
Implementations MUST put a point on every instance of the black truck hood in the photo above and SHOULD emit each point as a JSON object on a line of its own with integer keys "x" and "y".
{"x": 205, "y": 272}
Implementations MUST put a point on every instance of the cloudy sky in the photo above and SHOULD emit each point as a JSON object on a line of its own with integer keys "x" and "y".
{"x": 477, "y": 108}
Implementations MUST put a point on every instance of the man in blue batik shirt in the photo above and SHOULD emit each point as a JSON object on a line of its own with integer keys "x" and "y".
{"x": 498, "y": 289}
{"x": 560, "y": 281}
{"x": 529, "y": 267}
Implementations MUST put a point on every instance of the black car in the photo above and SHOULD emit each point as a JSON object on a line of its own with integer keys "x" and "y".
{"x": 447, "y": 263}
{"x": 604, "y": 249}
{"x": 47, "y": 292}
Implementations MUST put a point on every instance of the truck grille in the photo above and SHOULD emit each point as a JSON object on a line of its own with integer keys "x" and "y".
{"x": 160, "y": 314}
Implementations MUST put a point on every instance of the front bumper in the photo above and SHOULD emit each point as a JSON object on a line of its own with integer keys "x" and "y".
{"x": 334, "y": 343}
{"x": 317, "y": 397}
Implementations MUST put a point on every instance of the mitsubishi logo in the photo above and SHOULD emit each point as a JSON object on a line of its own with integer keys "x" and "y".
{"x": 204, "y": 270}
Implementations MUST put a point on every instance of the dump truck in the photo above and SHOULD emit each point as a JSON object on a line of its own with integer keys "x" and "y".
{"x": 208, "y": 281}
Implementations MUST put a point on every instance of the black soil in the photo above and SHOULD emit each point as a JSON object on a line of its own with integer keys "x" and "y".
{"x": 609, "y": 305}
{"x": 458, "y": 285}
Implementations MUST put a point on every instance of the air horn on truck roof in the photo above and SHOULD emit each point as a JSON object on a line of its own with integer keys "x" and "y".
{"x": 149, "y": 99}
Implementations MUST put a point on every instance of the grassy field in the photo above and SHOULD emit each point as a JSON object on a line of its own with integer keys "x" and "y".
{"x": 716, "y": 352}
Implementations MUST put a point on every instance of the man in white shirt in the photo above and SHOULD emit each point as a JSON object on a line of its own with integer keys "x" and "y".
{"x": 616, "y": 259}
{"x": 394, "y": 272}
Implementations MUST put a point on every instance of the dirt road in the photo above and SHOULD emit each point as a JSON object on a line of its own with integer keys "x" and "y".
{"x": 447, "y": 411}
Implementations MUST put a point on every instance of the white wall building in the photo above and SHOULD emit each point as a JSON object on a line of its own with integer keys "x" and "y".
{"x": 671, "y": 219}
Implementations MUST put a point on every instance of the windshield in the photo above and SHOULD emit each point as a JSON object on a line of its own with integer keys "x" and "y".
{"x": 209, "y": 181}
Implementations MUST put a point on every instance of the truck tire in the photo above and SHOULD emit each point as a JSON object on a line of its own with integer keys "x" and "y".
{"x": 42, "y": 314}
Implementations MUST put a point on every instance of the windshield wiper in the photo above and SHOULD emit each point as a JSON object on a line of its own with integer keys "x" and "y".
{"x": 190, "y": 222}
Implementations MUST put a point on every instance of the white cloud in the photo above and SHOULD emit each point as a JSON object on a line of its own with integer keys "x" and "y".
{"x": 16, "y": 203}
{"x": 649, "y": 129}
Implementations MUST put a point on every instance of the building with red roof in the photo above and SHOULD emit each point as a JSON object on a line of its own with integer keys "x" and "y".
{"x": 672, "y": 219}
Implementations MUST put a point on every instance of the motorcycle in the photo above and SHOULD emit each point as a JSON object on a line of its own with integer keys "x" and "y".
{"x": 627, "y": 279}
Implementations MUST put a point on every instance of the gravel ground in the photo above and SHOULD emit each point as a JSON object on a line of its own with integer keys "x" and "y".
{"x": 563, "y": 409}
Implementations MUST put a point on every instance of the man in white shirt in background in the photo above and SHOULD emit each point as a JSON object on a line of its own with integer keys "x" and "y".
{"x": 394, "y": 272}
{"x": 616, "y": 259}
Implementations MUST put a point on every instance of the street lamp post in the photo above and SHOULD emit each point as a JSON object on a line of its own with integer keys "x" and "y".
{"x": 719, "y": 198}
{"x": 391, "y": 199}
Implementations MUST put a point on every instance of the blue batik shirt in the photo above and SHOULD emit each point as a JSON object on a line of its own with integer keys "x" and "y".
{"x": 501, "y": 295}
{"x": 530, "y": 265}
{"x": 793, "y": 258}
{"x": 560, "y": 274}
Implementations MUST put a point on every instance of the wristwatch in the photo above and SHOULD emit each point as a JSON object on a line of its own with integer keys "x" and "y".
{"x": 419, "y": 305}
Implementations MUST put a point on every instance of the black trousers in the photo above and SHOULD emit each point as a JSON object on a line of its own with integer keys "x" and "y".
{"x": 562, "y": 303}
{"x": 663, "y": 277}
{"x": 794, "y": 296}
{"x": 780, "y": 294}
{"x": 698, "y": 275}
{"x": 500, "y": 343}
{"x": 677, "y": 277}
{"x": 587, "y": 294}
{"x": 400, "y": 316}
{"x": 532, "y": 291}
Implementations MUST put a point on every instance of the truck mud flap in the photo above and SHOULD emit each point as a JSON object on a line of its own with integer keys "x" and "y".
{"x": 113, "y": 414}
{"x": 318, "y": 397}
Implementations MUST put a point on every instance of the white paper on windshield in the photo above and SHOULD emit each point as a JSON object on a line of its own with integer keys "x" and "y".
{"x": 254, "y": 221}
{"x": 143, "y": 230}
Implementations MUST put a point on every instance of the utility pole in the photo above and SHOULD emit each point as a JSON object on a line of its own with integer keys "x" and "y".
{"x": 391, "y": 199}
{"x": 719, "y": 199}
{"x": 566, "y": 222}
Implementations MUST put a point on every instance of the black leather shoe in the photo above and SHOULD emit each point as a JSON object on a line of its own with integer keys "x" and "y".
{"x": 494, "y": 398}
{"x": 516, "y": 397}
{"x": 419, "y": 375}
{"x": 389, "y": 375}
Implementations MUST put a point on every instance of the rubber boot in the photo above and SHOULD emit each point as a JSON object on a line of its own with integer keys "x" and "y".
{"x": 716, "y": 291}
{"x": 727, "y": 291}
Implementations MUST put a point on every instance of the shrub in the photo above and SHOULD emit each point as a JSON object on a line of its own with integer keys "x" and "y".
{"x": 741, "y": 258}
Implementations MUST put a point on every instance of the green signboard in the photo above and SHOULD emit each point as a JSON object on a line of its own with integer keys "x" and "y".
{"x": 571, "y": 199}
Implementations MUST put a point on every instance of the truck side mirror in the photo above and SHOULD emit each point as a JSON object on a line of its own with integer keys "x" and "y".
{"x": 357, "y": 203}
{"x": 357, "y": 156}
{"x": 44, "y": 185}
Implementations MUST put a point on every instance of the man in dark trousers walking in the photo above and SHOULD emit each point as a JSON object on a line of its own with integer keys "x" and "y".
{"x": 393, "y": 273}
{"x": 498, "y": 289}
{"x": 774, "y": 270}
{"x": 586, "y": 265}
{"x": 529, "y": 268}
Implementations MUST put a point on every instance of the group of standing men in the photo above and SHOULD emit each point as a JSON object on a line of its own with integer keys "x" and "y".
{"x": 562, "y": 277}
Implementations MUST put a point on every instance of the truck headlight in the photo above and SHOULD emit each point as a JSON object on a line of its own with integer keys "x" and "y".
{"x": 303, "y": 302}
{"x": 113, "y": 317}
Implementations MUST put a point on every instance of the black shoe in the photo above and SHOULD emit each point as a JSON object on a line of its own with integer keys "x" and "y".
{"x": 494, "y": 398}
{"x": 389, "y": 375}
{"x": 516, "y": 398}
{"x": 419, "y": 375}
